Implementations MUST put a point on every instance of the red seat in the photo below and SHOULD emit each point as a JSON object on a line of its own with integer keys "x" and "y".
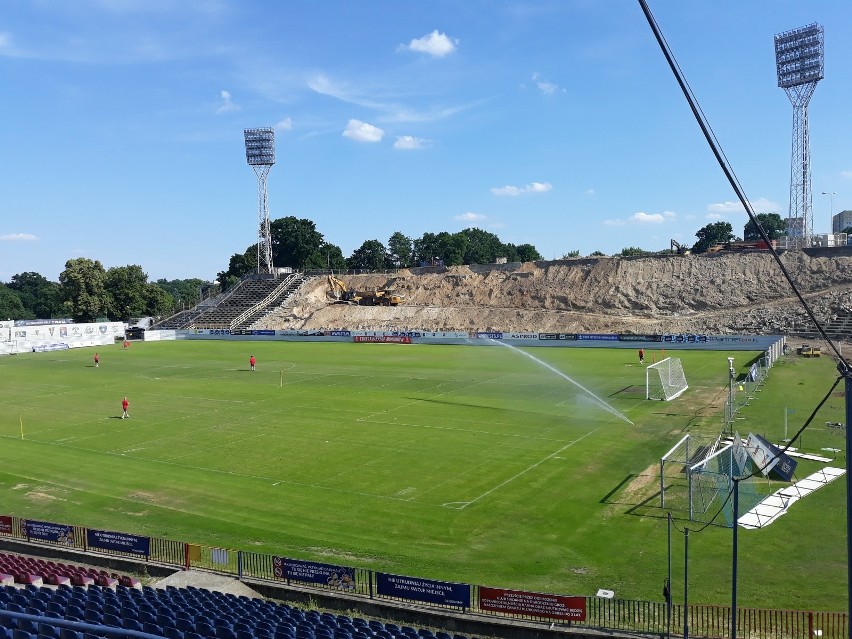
{"x": 130, "y": 582}
{"x": 26, "y": 578}
{"x": 80, "y": 579}
{"x": 57, "y": 580}
{"x": 105, "y": 581}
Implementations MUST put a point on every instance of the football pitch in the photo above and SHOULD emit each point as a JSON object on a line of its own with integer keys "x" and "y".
{"x": 533, "y": 469}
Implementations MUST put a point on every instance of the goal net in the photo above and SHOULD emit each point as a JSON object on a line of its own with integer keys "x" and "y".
{"x": 665, "y": 379}
{"x": 696, "y": 478}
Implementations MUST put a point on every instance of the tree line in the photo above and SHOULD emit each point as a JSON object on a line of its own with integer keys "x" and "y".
{"x": 86, "y": 291}
{"x": 296, "y": 243}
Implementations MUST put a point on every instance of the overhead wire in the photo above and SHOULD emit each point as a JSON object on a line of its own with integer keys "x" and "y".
{"x": 724, "y": 164}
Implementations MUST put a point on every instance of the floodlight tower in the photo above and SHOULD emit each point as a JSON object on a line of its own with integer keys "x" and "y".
{"x": 799, "y": 61}
{"x": 260, "y": 154}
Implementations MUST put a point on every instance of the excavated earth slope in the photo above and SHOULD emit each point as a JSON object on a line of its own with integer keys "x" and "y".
{"x": 711, "y": 293}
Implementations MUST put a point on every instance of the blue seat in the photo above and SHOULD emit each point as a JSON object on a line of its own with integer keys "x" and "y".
{"x": 152, "y": 629}
{"x": 28, "y": 626}
{"x": 47, "y": 630}
{"x": 131, "y": 624}
{"x": 22, "y": 634}
{"x": 442, "y": 635}
{"x": 172, "y": 633}
{"x": 68, "y": 633}
{"x": 225, "y": 631}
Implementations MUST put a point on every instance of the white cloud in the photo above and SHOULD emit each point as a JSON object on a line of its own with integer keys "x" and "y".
{"x": 285, "y": 125}
{"x": 544, "y": 86}
{"x": 760, "y": 205}
{"x": 435, "y": 44}
{"x": 533, "y": 187}
{"x": 470, "y": 217}
{"x": 227, "y": 105}
{"x": 408, "y": 142}
{"x": 846, "y": 174}
{"x": 362, "y": 132}
{"x": 589, "y": 192}
{"x": 641, "y": 217}
{"x": 16, "y": 237}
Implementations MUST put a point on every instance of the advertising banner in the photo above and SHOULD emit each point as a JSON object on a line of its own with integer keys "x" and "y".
{"x": 47, "y": 531}
{"x": 518, "y": 602}
{"x": 598, "y": 337}
{"x": 415, "y": 589}
{"x": 640, "y": 338}
{"x": 557, "y": 336}
{"x": 769, "y": 457}
{"x": 383, "y": 339}
{"x": 118, "y": 542}
{"x": 489, "y": 335}
{"x": 5, "y": 525}
{"x": 342, "y": 577}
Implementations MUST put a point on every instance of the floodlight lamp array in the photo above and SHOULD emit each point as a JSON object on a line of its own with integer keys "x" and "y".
{"x": 799, "y": 56}
{"x": 260, "y": 146}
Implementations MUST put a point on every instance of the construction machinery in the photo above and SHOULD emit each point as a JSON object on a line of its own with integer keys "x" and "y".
{"x": 339, "y": 293}
{"x": 679, "y": 248}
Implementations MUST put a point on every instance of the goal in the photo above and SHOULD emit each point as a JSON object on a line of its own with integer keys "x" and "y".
{"x": 665, "y": 379}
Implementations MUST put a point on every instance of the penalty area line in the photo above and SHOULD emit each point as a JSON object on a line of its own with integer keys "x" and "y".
{"x": 461, "y": 505}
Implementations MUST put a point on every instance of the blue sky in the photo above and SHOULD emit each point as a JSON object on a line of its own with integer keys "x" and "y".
{"x": 551, "y": 122}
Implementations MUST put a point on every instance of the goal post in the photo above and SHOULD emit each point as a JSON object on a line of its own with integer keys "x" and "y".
{"x": 665, "y": 380}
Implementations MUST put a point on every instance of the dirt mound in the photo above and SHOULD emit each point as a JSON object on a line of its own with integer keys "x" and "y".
{"x": 711, "y": 293}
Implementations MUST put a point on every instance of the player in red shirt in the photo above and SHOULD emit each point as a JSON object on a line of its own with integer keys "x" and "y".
{"x": 252, "y": 362}
{"x": 641, "y": 355}
{"x": 97, "y": 361}
{"x": 124, "y": 406}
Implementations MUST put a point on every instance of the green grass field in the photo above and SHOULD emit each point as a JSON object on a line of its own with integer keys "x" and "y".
{"x": 473, "y": 464}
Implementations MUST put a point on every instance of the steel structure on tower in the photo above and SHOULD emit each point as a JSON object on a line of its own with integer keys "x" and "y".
{"x": 799, "y": 60}
{"x": 260, "y": 155}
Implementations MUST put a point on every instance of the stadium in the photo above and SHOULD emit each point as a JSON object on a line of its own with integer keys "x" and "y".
{"x": 473, "y": 482}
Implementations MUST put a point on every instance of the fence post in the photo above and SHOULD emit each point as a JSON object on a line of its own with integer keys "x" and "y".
{"x": 186, "y": 556}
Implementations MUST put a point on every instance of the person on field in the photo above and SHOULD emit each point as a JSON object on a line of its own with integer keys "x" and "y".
{"x": 641, "y": 355}
{"x": 252, "y": 362}
{"x": 97, "y": 361}
{"x": 125, "y": 405}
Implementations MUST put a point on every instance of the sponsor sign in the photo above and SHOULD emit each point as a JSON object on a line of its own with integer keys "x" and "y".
{"x": 571, "y": 336}
{"x": 218, "y": 331}
{"x": 340, "y": 334}
{"x": 490, "y": 335}
{"x": 522, "y": 336}
{"x": 769, "y": 457}
{"x": 640, "y": 338}
{"x": 264, "y": 331}
{"x": 44, "y": 348}
{"x": 685, "y": 339}
{"x": 384, "y": 339}
{"x": 595, "y": 336}
{"x": 118, "y": 542}
{"x": 518, "y": 602}
{"x": 5, "y": 525}
{"x": 311, "y": 333}
{"x": 341, "y": 577}
{"x": 428, "y": 590}
{"x": 47, "y": 531}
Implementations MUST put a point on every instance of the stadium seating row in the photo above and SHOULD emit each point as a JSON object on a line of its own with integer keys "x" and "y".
{"x": 33, "y": 571}
{"x": 181, "y": 613}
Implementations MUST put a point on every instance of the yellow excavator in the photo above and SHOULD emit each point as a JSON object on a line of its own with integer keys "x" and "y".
{"x": 339, "y": 293}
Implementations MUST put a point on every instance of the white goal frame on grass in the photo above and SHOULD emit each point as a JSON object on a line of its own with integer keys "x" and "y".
{"x": 665, "y": 379}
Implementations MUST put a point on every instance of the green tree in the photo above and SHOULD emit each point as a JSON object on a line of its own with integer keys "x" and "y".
{"x": 83, "y": 290}
{"x": 39, "y": 295}
{"x": 327, "y": 256}
{"x": 633, "y": 251}
{"x": 715, "y": 233}
{"x": 11, "y": 306}
{"x": 239, "y": 265}
{"x": 451, "y": 247}
{"x": 481, "y": 247}
{"x": 597, "y": 254}
{"x": 126, "y": 286}
{"x": 570, "y": 254}
{"x": 426, "y": 248}
{"x": 847, "y": 230}
{"x": 528, "y": 253}
{"x": 772, "y": 224}
{"x": 296, "y": 243}
{"x": 400, "y": 250}
{"x": 371, "y": 255}
{"x": 184, "y": 292}
{"x": 158, "y": 302}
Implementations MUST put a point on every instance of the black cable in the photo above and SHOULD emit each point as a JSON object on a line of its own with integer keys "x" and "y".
{"x": 732, "y": 179}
